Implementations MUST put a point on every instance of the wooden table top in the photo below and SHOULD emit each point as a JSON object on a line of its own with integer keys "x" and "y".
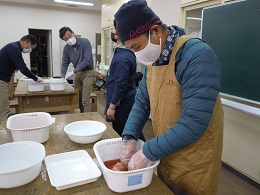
{"x": 59, "y": 142}
{"x": 21, "y": 90}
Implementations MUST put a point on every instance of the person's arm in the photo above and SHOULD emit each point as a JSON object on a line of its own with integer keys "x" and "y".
{"x": 199, "y": 74}
{"x": 87, "y": 58}
{"x": 17, "y": 59}
{"x": 65, "y": 61}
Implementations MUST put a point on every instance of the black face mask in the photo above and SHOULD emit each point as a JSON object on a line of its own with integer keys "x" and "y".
{"x": 113, "y": 37}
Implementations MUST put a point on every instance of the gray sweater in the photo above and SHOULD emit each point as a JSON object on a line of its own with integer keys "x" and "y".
{"x": 80, "y": 56}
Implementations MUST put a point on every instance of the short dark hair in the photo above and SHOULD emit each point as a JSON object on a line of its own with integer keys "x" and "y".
{"x": 63, "y": 30}
{"x": 32, "y": 39}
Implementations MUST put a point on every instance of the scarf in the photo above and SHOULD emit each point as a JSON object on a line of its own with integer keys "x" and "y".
{"x": 167, "y": 51}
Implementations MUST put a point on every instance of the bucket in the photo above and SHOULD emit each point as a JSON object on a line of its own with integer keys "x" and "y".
{"x": 34, "y": 86}
{"x": 57, "y": 84}
{"x": 121, "y": 181}
{"x": 34, "y": 126}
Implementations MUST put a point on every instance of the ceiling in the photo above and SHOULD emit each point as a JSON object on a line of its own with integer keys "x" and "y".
{"x": 96, "y": 7}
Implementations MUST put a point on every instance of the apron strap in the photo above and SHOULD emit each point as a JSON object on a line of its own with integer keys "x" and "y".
{"x": 177, "y": 45}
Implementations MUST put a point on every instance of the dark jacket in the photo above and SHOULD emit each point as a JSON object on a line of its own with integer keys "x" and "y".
{"x": 10, "y": 60}
{"x": 120, "y": 83}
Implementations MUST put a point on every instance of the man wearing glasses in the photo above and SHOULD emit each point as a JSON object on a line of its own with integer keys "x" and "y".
{"x": 78, "y": 51}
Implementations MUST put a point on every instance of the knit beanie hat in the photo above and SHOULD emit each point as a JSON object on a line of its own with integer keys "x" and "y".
{"x": 134, "y": 18}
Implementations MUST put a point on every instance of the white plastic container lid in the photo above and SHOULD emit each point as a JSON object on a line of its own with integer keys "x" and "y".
{"x": 32, "y": 82}
{"x": 58, "y": 80}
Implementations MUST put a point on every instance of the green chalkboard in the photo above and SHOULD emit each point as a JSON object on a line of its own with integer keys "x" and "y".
{"x": 233, "y": 31}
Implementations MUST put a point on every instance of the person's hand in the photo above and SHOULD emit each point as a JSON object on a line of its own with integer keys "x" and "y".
{"x": 139, "y": 161}
{"x": 39, "y": 80}
{"x": 68, "y": 74}
{"x": 103, "y": 76}
{"x": 111, "y": 113}
{"x": 128, "y": 149}
{"x": 119, "y": 167}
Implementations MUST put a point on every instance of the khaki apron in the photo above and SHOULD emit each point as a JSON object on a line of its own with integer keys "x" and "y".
{"x": 196, "y": 168}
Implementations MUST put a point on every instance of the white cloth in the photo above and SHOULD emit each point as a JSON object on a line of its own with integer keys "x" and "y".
{"x": 69, "y": 74}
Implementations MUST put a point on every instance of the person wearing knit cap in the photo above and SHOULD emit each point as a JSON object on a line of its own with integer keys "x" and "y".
{"x": 180, "y": 89}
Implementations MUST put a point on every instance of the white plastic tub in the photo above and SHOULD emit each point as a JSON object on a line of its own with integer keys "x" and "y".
{"x": 34, "y": 86}
{"x": 71, "y": 169}
{"x": 57, "y": 84}
{"x": 33, "y": 126}
{"x": 84, "y": 132}
{"x": 20, "y": 163}
{"x": 121, "y": 181}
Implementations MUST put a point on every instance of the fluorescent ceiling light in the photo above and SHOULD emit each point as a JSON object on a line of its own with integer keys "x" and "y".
{"x": 74, "y": 2}
{"x": 192, "y": 18}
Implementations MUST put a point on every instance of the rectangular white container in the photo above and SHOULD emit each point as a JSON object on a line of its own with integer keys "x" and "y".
{"x": 70, "y": 169}
{"x": 57, "y": 84}
{"x": 34, "y": 86}
{"x": 34, "y": 126}
{"x": 121, "y": 181}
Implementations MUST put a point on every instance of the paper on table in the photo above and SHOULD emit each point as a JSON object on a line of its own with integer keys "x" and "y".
{"x": 69, "y": 74}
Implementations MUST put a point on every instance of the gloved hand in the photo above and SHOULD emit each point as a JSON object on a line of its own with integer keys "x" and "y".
{"x": 139, "y": 161}
{"x": 128, "y": 149}
{"x": 39, "y": 80}
{"x": 69, "y": 74}
{"x": 119, "y": 167}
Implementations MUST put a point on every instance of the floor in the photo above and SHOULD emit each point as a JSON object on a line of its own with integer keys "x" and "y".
{"x": 229, "y": 184}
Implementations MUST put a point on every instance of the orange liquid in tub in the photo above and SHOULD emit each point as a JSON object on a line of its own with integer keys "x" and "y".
{"x": 110, "y": 164}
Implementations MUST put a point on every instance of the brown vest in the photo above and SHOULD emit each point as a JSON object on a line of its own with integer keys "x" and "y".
{"x": 195, "y": 169}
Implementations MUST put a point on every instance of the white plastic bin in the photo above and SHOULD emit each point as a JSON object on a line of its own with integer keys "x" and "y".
{"x": 121, "y": 181}
{"x": 57, "y": 84}
{"x": 20, "y": 163}
{"x": 33, "y": 126}
{"x": 70, "y": 169}
{"x": 34, "y": 86}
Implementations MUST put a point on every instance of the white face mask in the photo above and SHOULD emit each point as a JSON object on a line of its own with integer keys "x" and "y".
{"x": 27, "y": 50}
{"x": 72, "y": 41}
{"x": 150, "y": 53}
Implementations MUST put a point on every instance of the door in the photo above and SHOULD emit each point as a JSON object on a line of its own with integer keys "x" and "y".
{"x": 108, "y": 49}
{"x": 40, "y": 57}
{"x": 98, "y": 47}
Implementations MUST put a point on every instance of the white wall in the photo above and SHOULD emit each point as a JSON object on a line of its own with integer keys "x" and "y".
{"x": 242, "y": 142}
{"x": 15, "y": 19}
{"x": 242, "y": 135}
{"x": 167, "y": 10}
